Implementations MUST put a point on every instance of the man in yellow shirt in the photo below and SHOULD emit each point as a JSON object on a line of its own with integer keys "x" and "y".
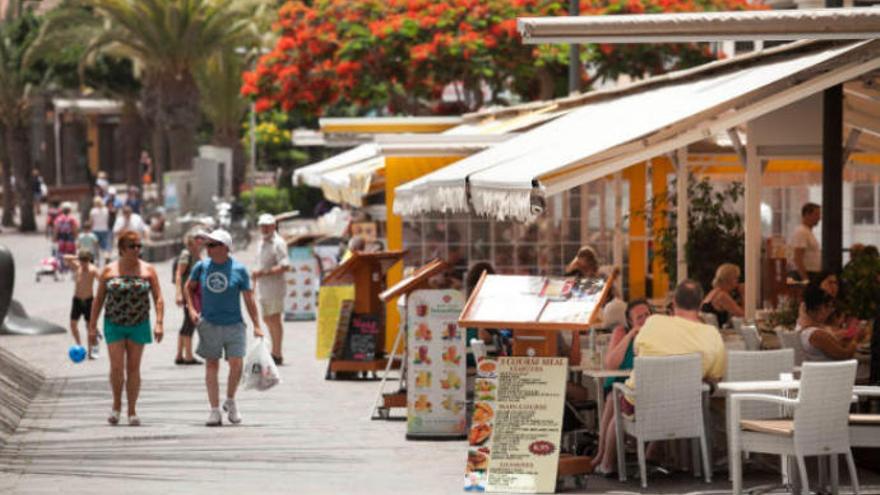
{"x": 683, "y": 333}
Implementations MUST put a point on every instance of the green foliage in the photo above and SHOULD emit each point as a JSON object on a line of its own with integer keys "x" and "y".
{"x": 716, "y": 233}
{"x": 786, "y": 315}
{"x": 861, "y": 285}
{"x": 273, "y": 134}
{"x": 266, "y": 199}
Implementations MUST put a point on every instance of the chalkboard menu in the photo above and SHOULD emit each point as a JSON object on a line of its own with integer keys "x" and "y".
{"x": 363, "y": 333}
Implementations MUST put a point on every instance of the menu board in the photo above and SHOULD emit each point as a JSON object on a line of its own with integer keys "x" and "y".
{"x": 529, "y": 302}
{"x": 517, "y": 425}
{"x": 330, "y": 299}
{"x": 363, "y": 333}
{"x": 436, "y": 365}
{"x": 302, "y": 283}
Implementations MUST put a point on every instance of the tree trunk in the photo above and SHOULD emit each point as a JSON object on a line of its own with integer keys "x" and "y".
{"x": 8, "y": 219}
{"x": 172, "y": 102}
{"x": 132, "y": 129}
{"x": 229, "y": 138}
{"x": 18, "y": 146}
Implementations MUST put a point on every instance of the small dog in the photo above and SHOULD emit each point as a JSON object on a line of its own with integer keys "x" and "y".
{"x": 48, "y": 267}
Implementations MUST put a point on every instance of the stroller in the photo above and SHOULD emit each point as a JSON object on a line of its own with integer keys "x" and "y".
{"x": 49, "y": 266}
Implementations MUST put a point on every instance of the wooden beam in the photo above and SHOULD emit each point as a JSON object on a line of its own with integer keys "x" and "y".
{"x": 753, "y": 225}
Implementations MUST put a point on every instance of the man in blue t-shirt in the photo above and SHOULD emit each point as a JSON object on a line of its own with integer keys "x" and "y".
{"x": 223, "y": 281}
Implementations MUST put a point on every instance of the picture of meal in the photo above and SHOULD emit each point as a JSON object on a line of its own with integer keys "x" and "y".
{"x": 293, "y": 293}
{"x": 422, "y": 356}
{"x": 486, "y": 368}
{"x": 479, "y": 433}
{"x": 423, "y": 379}
{"x": 483, "y": 385}
{"x": 477, "y": 461}
{"x": 450, "y": 332}
{"x": 451, "y": 381}
{"x": 452, "y": 405}
{"x": 423, "y": 332}
{"x": 483, "y": 412}
{"x": 451, "y": 355}
{"x": 422, "y": 404}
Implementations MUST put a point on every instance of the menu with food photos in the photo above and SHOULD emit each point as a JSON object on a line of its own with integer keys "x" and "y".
{"x": 302, "y": 284}
{"x": 513, "y": 443}
{"x": 436, "y": 364}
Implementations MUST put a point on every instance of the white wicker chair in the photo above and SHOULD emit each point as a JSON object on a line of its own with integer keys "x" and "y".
{"x": 668, "y": 406}
{"x": 820, "y": 426}
{"x": 791, "y": 340}
{"x": 751, "y": 337}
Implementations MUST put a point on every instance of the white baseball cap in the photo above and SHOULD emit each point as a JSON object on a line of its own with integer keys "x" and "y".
{"x": 266, "y": 219}
{"x": 219, "y": 235}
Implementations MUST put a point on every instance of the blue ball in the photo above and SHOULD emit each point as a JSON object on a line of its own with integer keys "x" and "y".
{"x": 77, "y": 353}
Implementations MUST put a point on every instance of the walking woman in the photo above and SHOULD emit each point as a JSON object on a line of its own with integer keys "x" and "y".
{"x": 125, "y": 286}
{"x": 189, "y": 256}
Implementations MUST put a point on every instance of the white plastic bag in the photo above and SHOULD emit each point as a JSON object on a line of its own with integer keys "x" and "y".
{"x": 259, "y": 371}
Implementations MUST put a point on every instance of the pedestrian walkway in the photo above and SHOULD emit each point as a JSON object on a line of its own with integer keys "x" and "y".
{"x": 305, "y": 436}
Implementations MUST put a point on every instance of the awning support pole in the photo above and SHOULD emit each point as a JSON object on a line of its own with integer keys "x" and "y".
{"x": 681, "y": 206}
{"x": 617, "y": 241}
{"x": 753, "y": 225}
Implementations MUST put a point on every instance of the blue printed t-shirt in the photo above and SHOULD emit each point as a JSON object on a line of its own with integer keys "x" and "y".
{"x": 221, "y": 290}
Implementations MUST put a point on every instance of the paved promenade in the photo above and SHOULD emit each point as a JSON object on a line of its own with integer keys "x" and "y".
{"x": 305, "y": 436}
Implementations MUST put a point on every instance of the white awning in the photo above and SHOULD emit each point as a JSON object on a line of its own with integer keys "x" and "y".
{"x": 617, "y": 128}
{"x": 310, "y": 175}
{"x": 349, "y": 184}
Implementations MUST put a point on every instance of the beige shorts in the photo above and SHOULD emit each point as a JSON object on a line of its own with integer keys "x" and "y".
{"x": 269, "y": 307}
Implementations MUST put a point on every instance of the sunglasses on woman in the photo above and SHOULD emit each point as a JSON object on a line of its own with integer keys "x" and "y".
{"x": 135, "y": 246}
{"x": 214, "y": 244}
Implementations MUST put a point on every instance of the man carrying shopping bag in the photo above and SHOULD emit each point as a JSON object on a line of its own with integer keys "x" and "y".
{"x": 223, "y": 283}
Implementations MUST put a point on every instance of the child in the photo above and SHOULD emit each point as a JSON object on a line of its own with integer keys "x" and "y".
{"x": 88, "y": 241}
{"x": 85, "y": 274}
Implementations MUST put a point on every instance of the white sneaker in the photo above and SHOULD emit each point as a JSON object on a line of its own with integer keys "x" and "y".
{"x": 230, "y": 407}
{"x": 96, "y": 352}
{"x": 215, "y": 418}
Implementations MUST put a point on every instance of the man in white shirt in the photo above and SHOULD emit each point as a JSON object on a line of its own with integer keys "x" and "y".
{"x": 807, "y": 254}
{"x": 269, "y": 279}
{"x": 129, "y": 221}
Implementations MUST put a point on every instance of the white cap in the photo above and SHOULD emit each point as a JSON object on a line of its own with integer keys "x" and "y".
{"x": 111, "y": 190}
{"x": 266, "y": 219}
{"x": 220, "y": 236}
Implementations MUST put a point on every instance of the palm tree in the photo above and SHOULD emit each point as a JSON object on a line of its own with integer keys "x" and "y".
{"x": 17, "y": 84}
{"x": 167, "y": 40}
{"x": 219, "y": 81}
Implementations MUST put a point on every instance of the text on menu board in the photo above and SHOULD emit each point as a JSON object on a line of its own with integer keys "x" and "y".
{"x": 363, "y": 333}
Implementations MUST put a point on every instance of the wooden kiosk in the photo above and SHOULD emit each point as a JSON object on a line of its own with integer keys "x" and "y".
{"x": 418, "y": 280}
{"x": 359, "y": 346}
{"x": 536, "y": 309}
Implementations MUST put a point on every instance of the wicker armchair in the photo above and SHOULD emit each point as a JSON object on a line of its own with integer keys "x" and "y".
{"x": 820, "y": 426}
{"x": 791, "y": 340}
{"x": 669, "y": 405}
{"x": 751, "y": 337}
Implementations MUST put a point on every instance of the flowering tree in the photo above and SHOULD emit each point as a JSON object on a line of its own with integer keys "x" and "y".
{"x": 336, "y": 56}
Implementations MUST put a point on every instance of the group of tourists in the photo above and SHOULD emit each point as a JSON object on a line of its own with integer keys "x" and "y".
{"x": 209, "y": 291}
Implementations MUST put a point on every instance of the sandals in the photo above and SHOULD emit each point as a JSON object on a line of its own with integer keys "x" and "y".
{"x": 134, "y": 421}
{"x": 113, "y": 419}
{"x": 181, "y": 361}
{"x": 278, "y": 360}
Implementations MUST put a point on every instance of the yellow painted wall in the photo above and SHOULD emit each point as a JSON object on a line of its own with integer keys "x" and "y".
{"x": 638, "y": 249}
{"x": 399, "y": 170}
{"x": 660, "y": 168}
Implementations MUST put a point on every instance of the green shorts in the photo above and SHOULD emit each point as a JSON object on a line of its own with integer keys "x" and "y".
{"x": 139, "y": 333}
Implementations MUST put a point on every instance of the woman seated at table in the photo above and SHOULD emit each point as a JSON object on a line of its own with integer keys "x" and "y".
{"x": 820, "y": 341}
{"x": 720, "y": 301}
{"x": 619, "y": 356}
{"x": 829, "y": 283}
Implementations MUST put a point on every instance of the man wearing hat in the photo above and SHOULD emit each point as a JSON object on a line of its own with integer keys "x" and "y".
{"x": 273, "y": 262}
{"x": 222, "y": 282}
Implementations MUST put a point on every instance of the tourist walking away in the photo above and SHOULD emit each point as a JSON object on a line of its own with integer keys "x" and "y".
{"x": 65, "y": 229}
{"x": 38, "y": 189}
{"x": 99, "y": 215}
{"x": 129, "y": 222}
{"x": 84, "y": 276}
{"x": 88, "y": 241}
{"x": 269, "y": 280}
{"x": 114, "y": 206}
{"x": 223, "y": 282}
{"x": 806, "y": 251}
{"x": 189, "y": 256}
{"x": 126, "y": 286}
